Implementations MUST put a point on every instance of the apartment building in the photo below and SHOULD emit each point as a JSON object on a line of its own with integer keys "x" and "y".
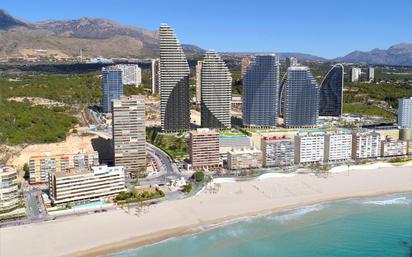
{"x": 338, "y": 146}
{"x": 309, "y": 147}
{"x": 393, "y": 147}
{"x": 204, "y": 148}
{"x": 246, "y": 158}
{"x": 9, "y": 195}
{"x": 366, "y": 144}
{"x": 277, "y": 151}
{"x": 82, "y": 185}
{"x": 42, "y": 165}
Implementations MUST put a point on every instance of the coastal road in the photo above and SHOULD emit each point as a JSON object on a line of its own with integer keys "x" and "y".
{"x": 34, "y": 205}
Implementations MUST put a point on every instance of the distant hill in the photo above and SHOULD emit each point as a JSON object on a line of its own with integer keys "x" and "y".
{"x": 400, "y": 54}
{"x": 300, "y": 56}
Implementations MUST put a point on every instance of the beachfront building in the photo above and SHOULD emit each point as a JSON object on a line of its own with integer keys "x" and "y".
{"x": 392, "y": 147}
{"x": 309, "y": 147}
{"x": 129, "y": 133}
{"x": 405, "y": 113}
{"x": 9, "y": 194}
{"x": 198, "y": 81}
{"x": 41, "y": 166}
{"x": 244, "y": 64}
{"x": 82, "y": 185}
{"x": 277, "y": 151}
{"x": 112, "y": 86}
{"x": 204, "y": 148}
{"x": 366, "y": 144}
{"x": 155, "y": 76}
{"x": 131, "y": 74}
{"x": 331, "y": 92}
{"x": 260, "y": 88}
{"x": 301, "y": 104}
{"x": 354, "y": 74}
{"x": 174, "y": 83}
{"x": 216, "y": 92}
{"x": 245, "y": 158}
{"x": 338, "y": 146}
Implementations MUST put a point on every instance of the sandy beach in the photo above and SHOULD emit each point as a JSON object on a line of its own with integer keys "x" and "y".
{"x": 103, "y": 233}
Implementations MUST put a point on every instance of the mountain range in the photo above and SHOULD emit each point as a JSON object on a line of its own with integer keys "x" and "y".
{"x": 102, "y": 37}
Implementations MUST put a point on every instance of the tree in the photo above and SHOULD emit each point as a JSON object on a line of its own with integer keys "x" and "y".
{"x": 198, "y": 176}
{"x": 26, "y": 170}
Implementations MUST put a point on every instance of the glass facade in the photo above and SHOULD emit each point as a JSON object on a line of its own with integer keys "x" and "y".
{"x": 112, "y": 87}
{"x": 260, "y": 91}
{"x": 301, "y": 98}
{"x": 331, "y": 92}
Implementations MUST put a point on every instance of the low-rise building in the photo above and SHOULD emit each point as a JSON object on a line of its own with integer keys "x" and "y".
{"x": 9, "y": 195}
{"x": 309, "y": 147}
{"x": 277, "y": 151}
{"x": 366, "y": 144}
{"x": 393, "y": 147}
{"x": 41, "y": 166}
{"x": 338, "y": 146}
{"x": 82, "y": 185}
{"x": 249, "y": 158}
{"x": 204, "y": 148}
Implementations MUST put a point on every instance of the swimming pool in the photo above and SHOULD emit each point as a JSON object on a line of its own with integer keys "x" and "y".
{"x": 91, "y": 205}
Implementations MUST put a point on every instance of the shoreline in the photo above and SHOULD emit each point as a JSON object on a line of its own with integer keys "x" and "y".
{"x": 142, "y": 241}
{"x": 220, "y": 203}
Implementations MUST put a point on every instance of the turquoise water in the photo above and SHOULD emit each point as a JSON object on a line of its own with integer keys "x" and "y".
{"x": 375, "y": 227}
{"x": 91, "y": 204}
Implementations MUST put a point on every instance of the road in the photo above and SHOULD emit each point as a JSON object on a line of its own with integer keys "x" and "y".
{"x": 34, "y": 205}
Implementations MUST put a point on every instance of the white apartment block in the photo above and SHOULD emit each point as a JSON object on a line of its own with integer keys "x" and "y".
{"x": 366, "y": 144}
{"x": 405, "y": 113}
{"x": 338, "y": 147}
{"x": 9, "y": 195}
{"x": 355, "y": 74}
{"x": 131, "y": 74}
{"x": 155, "y": 76}
{"x": 309, "y": 147}
{"x": 393, "y": 147}
{"x": 82, "y": 185}
{"x": 249, "y": 158}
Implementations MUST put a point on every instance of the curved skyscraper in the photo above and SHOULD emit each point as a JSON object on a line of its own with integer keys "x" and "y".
{"x": 174, "y": 82}
{"x": 260, "y": 91}
{"x": 331, "y": 92}
{"x": 216, "y": 92}
{"x": 301, "y": 98}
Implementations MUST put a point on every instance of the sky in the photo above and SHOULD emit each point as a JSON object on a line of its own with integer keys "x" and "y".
{"x": 324, "y": 28}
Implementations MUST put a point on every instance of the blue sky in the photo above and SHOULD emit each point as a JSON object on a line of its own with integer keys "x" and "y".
{"x": 325, "y": 28}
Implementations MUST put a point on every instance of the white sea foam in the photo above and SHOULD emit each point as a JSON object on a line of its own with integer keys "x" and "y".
{"x": 398, "y": 200}
{"x": 296, "y": 213}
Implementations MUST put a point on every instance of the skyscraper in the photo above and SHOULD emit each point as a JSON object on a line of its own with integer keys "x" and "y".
{"x": 216, "y": 88}
{"x": 174, "y": 83}
{"x": 354, "y": 74}
{"x": 198, "y": 81}
{"x": 260, "y": 90}
{"x": 129, "y": 133}
{"x": 331, "y": 92}
{"x": 405, "y": 112}
{"x": 301, "y": 99}
{"x": 155, "y": 76}
{"x": 131, "y": 74}
{"x": 112, "y": 86}
{"x": 291, "y": 61}
{"x": 371, "y": 74}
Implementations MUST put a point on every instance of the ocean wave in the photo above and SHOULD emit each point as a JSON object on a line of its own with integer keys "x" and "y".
{"x": 296, "y": 213}
{"x": 398, "y": 200}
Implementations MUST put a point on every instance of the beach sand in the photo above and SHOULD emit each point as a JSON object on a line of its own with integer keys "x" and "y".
{"x": 103, "y": 233}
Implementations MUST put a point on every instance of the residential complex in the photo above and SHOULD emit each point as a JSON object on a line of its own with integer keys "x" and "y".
{"x": 131, "y": 74}
{"x": 245, "y": 158}
{"x": 204, "y": 148}
{"x": 291, "y": 61}
{"x": 338, "y": 146}
{"x": 41, "y": 166}
{"x": 309, "y": 147}
{"x": 301, "y": 98}
{"x": 82, "y": 185}
{"x": 174, "y": 83}
{"x": 9, "y": 195}
{"x": 405, "y": 112}
{"x": 277, "y": 151}
{"x": 392, "y": 147}
{"x": 370, "y": 74}
{"x": 112, "y": 86}
{"x": 129, "y": 134}
{"x": 365, "y": 144}
{"x": 260, "y": 88}
{"x": 198, "y": 80}
{"x": 331, "y": 92}
{"x": 216, "y": 92}
{"x": 155, "y": 76}
{"x": 354, "y": 74}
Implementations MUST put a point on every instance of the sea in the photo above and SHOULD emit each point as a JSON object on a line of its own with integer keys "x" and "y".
{"x": 373, "y": 227}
